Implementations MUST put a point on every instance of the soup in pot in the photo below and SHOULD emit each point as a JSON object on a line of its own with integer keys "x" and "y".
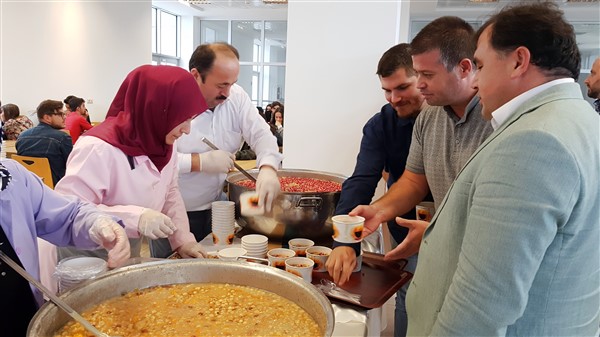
{"x": 197, "y": 309}
{"x": 299, "y": 184}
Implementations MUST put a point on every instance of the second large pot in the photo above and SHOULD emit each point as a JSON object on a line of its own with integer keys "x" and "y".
{"x": 295, "y": 214}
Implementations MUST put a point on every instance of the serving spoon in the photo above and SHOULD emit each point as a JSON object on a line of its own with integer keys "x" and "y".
{"x": 60, "y": 303}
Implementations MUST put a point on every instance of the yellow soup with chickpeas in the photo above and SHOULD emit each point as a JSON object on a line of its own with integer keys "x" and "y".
{"x": 197, "y": 309}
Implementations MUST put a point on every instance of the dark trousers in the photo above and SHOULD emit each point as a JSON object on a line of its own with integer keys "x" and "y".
{"x": 200, "y": 223}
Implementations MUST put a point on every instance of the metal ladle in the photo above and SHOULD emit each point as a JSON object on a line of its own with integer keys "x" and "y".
{"x": 60, "y": 303}
{"x": 241, "y": 169}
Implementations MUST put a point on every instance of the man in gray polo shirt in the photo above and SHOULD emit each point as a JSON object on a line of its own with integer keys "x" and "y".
{"x": 444, "y": 135}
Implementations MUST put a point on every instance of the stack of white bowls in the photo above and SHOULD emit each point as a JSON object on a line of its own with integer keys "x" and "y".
{"x": 256, "y": 245}
{"x": 223, "y": 222}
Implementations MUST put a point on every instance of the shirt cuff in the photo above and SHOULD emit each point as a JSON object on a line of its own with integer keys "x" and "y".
{"x": 353, "y": 245}
{"x": 273, "y": 161}
{"x": 184, "y": 162}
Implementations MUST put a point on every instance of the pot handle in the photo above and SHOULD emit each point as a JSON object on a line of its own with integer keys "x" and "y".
{"x": 315, "y": 202}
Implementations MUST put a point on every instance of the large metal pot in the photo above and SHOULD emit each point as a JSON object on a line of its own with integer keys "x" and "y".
{"x": 117, "y": 282}
{"x": 295, "y": 214}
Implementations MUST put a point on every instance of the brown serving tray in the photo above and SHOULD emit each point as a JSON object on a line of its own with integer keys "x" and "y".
{"x": 376, "y": 282}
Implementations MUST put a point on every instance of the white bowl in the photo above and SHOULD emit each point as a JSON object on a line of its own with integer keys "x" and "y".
{"x": 232, "y": 253}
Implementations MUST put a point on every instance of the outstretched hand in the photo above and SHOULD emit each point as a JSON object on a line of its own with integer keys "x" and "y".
{"x": 411, "y": 244}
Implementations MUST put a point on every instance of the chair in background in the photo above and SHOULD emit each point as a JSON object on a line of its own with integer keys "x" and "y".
{"x": 39, "y": 166}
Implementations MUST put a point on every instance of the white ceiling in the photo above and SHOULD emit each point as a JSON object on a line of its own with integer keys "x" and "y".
{"x": 576, "y": 11}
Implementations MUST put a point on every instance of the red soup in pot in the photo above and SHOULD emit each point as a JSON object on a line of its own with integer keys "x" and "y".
{"x": 299, "y": 184}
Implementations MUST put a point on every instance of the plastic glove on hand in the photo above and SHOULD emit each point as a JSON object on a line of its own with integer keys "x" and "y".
{"x": 267, "y": 187}
{"x": 216, "y": 161}
{"x": 113, "y": 238}
{"x": 191, "y": 250}
{"x": 155, "y": 225}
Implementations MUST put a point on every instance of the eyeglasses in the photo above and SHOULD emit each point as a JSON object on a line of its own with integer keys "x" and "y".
{"x": 59, "y": 114}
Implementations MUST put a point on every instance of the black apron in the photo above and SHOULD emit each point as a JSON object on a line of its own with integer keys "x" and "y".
{"x": 19, "y": 304}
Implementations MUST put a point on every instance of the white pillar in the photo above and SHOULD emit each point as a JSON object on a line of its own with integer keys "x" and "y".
{"x": 331, "y": 85}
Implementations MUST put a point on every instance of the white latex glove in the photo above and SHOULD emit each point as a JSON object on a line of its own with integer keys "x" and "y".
{"x": 191, "y": 250}
{"x": 267, "y": 187}
{"x": 155, "y": 225}
{"x": 217, "y": 161}
{"x": 113, "y": 238}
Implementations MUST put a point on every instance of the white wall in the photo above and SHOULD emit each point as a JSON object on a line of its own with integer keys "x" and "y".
{"x": 49, "y": 50}
{"x": 331, "y": 85}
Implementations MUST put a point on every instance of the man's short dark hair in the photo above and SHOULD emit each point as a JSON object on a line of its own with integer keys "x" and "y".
{"x": 204, "y": 56}
{"x": 75, "y": 103}
{"x": 541, "y": 28}
{"x": 10, "y": 111}
{"x": 48, "y": 107}
{"x": 452, "y": 35}
{"x": 395, "y": 58}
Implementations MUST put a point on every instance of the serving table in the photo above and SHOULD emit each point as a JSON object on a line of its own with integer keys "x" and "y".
{"x": 350, "y": 321}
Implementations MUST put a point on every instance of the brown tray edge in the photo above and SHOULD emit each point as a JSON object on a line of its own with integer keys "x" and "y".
{"x": 374, "y": 258}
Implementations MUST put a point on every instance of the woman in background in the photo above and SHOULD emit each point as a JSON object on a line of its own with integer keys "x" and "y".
{"x": 14, "y": 122}
{"x": 126, "y": 164}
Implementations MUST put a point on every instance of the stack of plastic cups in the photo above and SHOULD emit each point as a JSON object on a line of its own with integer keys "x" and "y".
{"x": 223, "y": 222}
{"x": 256, "y": 245}
{"x": 73, "y": 270}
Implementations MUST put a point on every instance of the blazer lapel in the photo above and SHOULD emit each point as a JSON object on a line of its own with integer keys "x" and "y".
{"x": 555, "y": 93}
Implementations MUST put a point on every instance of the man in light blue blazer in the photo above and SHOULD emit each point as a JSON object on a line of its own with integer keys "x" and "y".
{"x": 513, "y": 249}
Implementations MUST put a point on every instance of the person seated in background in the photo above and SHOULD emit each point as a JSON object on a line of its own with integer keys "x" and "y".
{"x": 261, "y": 112}
{"x": 128, "y": 165}
{"x": 268, "y": 113}
{"x": 66, "y": 101}
{"x": 277, "y": 126}
{"x": 46, "y": 140}
{"x": 28, "y": 210}
{"x": 14, "y": 122}
{"x": 76, "y": 122}
{"x": 275, "y": 106}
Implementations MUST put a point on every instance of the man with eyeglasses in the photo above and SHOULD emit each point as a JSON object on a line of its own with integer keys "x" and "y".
{"x": 46, "y": 140}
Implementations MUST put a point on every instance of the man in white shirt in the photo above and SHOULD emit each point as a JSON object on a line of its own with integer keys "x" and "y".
{"x": 230, "y": 120}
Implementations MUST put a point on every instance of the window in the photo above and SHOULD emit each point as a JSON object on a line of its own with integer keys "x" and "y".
{"x": 165, "y": 37}
{"x": 262, "y": 46}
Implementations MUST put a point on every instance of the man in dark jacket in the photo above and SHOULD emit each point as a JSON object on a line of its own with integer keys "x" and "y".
{"x": 384, "y": 147}
{"x": 46, "y": 140}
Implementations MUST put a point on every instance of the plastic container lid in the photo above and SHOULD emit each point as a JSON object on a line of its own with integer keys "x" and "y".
{"x": 80, "y": 268}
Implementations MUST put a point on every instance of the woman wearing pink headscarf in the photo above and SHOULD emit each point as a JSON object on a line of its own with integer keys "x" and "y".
{"x": 126, "y": 164}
